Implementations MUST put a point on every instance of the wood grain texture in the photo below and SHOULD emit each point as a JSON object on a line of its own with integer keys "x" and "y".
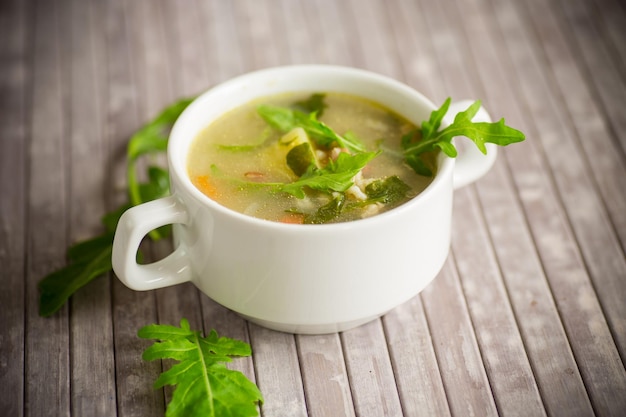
{"x": 602, "y": 157}
{"x": 15, "y": 30}
{"x": 370, "y": 372}
{"x": 324, "y": 375}
{"x": 414, "y": 361}
{"x": 555, "y": 240}
{"x": 526, "y": 318}
{"x": 460, "y": 362}
{"x": 277, "y": 372}
{"x": 47, "y": 347}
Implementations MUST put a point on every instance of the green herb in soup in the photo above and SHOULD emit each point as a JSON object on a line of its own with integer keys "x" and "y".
{"x": 326, "y": 158}
{"x": 320, "y": 162}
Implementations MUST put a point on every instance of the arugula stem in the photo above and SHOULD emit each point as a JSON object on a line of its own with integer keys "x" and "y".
{"x": 205, "y": 375}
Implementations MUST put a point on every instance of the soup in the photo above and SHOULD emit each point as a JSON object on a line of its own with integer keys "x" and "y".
{"x": 302, "y": 158}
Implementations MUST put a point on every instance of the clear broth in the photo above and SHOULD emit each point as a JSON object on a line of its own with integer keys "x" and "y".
{"x": 239, "y": 149}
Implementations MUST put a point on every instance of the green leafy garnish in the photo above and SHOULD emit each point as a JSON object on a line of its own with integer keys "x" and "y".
{"x": 335, "y": 176}
{"x": 285, "y": 119}
{"x": 151, "y": 138}
{"x": 314, "y": 104}
{"x": 327, "y": 212}
{"x": 87, "y": 260}
{"x": 388, "y": 190}
{"x": 429, "y": 137}
{"x": 90, "y": 259}
{"x": 204, "y": 386}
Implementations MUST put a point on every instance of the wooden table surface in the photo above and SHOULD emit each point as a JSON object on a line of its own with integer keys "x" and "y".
{"x": 528, "y": 315}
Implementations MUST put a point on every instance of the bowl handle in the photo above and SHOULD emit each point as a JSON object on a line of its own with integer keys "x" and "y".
{"x": 471, "y": 163}
{"x": 136, "y": 223}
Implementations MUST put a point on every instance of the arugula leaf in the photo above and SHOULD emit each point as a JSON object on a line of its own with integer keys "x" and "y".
{"x": 327, "y": 212}
{"x": 335, "y": 176}
{"x": 314, "y": 104}
{"x": 204, "y": 386}
{"x": 90, "y": 259}
{"x": 430, "y": 138}
{"x": 285, "y": 119}
{"x": 152, "y": 138}
{"x": 87, "y": 260}
{"x": 388, "y": 190}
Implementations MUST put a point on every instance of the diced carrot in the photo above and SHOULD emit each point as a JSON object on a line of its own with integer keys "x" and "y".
{"x": 292, "y": 218}
{"x": 204, "y": 185}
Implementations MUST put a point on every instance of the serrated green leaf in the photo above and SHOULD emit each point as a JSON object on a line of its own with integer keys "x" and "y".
{"x": 285, "y": 119}
{"x": 336, "y": 176}
{"x": 479, "y": 132}
{"x": 327, "y": 212}
{"x": 314, "y": 104}
{"x": 387, "y": 190}
{"x": 203, "y": 385}
{"x": 432, "y": 125}
{"x": 153, "y": 137}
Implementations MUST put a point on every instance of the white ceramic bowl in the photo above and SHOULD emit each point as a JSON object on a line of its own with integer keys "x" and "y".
{"x": 297, "y": 278}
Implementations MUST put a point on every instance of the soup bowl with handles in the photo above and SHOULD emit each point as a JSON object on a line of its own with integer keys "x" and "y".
{"x": 308, "y": 279}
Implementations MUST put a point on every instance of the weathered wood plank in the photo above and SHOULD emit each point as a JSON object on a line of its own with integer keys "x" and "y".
{"x": 373, "y": 36}
{"x": 221, "y": 40}
{"x": 416, "y": 53}
{"x": 553, "y": 363}
{"x": 47, "y": 355}
{"x": 605, "y": 259}
{"x": 92, "y": 361}
{"x": 611, "y": 17}
{"x": 414, "y": 361}
{"x": 510, "y": 375}
{"x": 277, "y": 372}
{"x": 602, "y": 156}
{"x": 298, "y": 45}
{"x": 374, "y": 391}
{"x": 330, "y": 34}
{"x": 186, "y": 49}
{"x": 15, "y": 32}
{"x": 326, "y": 383}
{"x": 597, "y": 58}
{"x": 574, "y": 293}
{"x": 141, "y": 36}
{"x": 256, "y": 37}
{"x": 460, "y": 362}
